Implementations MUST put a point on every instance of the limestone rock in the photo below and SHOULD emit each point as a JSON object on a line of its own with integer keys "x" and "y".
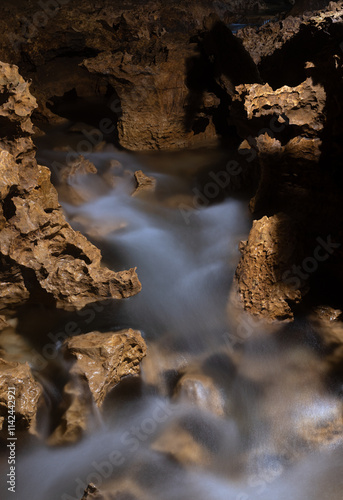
{"x": 98, "y": 361}
{"x": 103, "y": 359}
{"x": 271, "y": 249}
{"x": 42, "y": 256}
{"x": 28, "y": 395}
{"x": 144, "y": 183}
{"x": 301, "y": 107}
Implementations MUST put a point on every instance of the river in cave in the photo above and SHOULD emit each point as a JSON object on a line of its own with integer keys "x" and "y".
{"x": 242, "y": 427}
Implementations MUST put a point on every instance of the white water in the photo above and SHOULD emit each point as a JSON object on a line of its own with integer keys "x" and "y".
{"x": 270, "y": 389}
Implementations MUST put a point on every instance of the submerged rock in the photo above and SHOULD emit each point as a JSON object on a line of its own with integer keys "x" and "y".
{"x": 144, "y": 183}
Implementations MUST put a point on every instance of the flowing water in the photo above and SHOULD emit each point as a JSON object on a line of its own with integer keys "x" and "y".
{"x": 245, "y": 424}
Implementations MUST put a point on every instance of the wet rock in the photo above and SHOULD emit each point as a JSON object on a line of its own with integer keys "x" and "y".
{"x": 103, "y": 359}
{"x": 28, "y": 394}
{"x": 270, "y": 251}
{"x": 79, "y": 166}
{"x": 144, "y": 183}
{"x": 98, "y": 361}
{"x": 182, "y": 446}
{"x": 200, "y": 390}
{"x": 43, "y": 258}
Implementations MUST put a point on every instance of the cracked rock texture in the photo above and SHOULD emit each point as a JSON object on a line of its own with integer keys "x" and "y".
{"x": 98, "y": 362}
{"x": 28, "y": 396}
{"x": 137, "y": 58}
{"x": 271, "y": 248}
{"x": 293, "y": 124}
{"x": 42, "y": 257}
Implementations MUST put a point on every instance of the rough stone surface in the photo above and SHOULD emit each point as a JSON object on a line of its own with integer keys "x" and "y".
{"x": 301, "y": 107}
{"x": 293, "y": 125}
{"x": 28, "y": 394}
{"x": 143, "y": 183}
{"x": 41, "y": 255}
{"x": 98, "y": 361}
{"x": 263, "y": 42}
{"x": 103, "y": 359}
{"x": 140, "y": 59}
{"x": 270, "y": 251}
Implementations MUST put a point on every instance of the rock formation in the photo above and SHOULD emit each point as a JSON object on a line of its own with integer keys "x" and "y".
{"x": 293, "y": 123}
{"x": 42, "y": 257}
{"x": 98, "y": 361}
{"x": 137, "y": 66}
{"x": 27, "y": 395}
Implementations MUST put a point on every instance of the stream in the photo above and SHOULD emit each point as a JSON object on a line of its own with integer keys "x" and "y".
{"x": 225, "y": 409}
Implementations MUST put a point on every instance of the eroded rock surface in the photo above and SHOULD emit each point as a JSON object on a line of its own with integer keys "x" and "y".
{"x": 42, "y": 257}
{"x": 293, "y": 126}
{"x": 27, "y": 394}
{"x": 153, "y": 83}
{"x": 268, "y": 254}
{"x": 144, "y": 183}
{"x": 98, "y": 361}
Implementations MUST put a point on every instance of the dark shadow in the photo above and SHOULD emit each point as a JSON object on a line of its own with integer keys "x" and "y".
{"x": 222, "y": 63}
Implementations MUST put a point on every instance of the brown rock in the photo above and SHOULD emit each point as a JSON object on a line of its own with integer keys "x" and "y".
{"x": 42, "y": 256}
{"x": 103, "y": 359}
{"x": 200, "y": 390}
{"x": 99, "y": 362}
{"x": 270, "y": 251}
{"x": 301, "y": 107}
{"x": 27, "y": 394}
{"x": 143, "y": 183}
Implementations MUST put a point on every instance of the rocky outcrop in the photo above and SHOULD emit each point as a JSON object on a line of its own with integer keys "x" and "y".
{"x": 98, "y": 361}
{"x": 293, "y": 125}
{"x": 138, "y": 67}
{"x": 272, "y": 248}
{"x": 20, "y": 392}
{"x": 42, "y": 257}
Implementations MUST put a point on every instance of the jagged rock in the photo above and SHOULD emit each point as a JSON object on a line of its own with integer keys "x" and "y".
{"x": 80, "y": 166}
{"x": 143, "y": 183}
{"x": 98, "y": 362}
{"x": 270, "y": 38}
{"x": 270, "y": 251}
{"x": 103, "y": 359}
{"x": 142, "y": 55}
{"x": 28, "y": 394}
{"x": 40, "y": 252}
{"x": 300, "y": 107}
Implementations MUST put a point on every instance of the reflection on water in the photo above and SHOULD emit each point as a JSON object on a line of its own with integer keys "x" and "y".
{"x": 210, "y": 420}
